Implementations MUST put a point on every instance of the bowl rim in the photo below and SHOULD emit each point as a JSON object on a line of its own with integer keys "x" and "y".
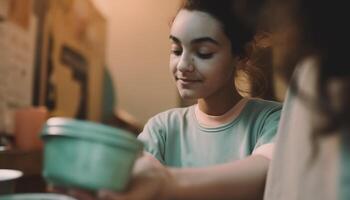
{"x": 83, "y": 129}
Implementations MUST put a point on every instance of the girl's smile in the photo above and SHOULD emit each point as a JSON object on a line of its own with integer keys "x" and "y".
{"x": 186, "y": 81}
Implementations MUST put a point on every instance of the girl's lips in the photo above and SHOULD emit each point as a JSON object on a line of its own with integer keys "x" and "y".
{"x": 187, "y": 82}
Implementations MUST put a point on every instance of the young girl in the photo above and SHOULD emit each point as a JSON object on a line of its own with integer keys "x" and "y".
{"x": 206, "y": 46}
{"x": 221, "y": 146}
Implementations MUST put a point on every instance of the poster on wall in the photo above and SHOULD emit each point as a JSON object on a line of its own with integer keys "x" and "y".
{"x": 73, "y": 61}
{"x": 18, "y": 29}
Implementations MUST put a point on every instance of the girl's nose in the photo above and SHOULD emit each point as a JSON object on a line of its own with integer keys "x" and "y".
{"x": 186, "y": 63}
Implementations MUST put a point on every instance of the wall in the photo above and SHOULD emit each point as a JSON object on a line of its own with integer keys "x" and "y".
{"x": 137, "y": 54}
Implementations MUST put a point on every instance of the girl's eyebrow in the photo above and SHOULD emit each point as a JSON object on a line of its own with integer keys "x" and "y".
{"x": 174, "y": 39}
{"x": 205, "y": 39}
{"x": 197, "y": 40}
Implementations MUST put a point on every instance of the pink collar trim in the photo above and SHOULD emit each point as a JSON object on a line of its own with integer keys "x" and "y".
{"x": 210, "y": 121}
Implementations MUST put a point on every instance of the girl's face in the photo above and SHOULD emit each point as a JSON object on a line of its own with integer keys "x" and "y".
{"x": 201, "y": 59}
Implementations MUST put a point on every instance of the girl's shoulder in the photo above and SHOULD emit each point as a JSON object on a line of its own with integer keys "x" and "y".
{"x": 263, "y": 105}
{"x": 261, "y": 116}
{"x": 261, "y": 110}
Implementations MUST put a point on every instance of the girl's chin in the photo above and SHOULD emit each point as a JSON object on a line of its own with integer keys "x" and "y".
{"x": 188, "y": 95}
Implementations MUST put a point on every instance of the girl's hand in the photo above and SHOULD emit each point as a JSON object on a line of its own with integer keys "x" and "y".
{"x": 150, "y": 181}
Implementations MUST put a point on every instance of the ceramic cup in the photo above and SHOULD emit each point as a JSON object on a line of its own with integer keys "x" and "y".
{"x": 28, "y": 124}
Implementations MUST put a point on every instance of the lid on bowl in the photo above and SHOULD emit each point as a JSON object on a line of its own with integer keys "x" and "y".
{"x": 36, "y": 196}
{"x": 91, "y": 131}
{"x": 9, "y": 174}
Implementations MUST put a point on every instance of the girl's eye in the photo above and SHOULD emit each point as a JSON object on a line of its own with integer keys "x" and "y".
{"x": 176, "y": 52}
{"x": 176, "y": 49}
{"x": 205, "y": 55}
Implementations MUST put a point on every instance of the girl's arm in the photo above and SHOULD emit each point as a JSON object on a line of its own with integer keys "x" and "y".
{"x": 242, "y": 179}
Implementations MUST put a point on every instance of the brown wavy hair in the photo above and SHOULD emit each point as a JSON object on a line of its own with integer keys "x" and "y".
{"x": 254, "y": 60}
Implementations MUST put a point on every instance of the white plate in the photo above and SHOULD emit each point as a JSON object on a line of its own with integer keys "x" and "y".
{"x": 9, "y": 174}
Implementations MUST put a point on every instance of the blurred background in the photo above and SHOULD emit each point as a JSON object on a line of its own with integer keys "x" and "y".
{"x": 99, "y": 60}
{"x": 57, "y": 54}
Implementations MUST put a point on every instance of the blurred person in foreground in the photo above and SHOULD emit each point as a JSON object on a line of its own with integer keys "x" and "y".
{"x": 312, "y": 153}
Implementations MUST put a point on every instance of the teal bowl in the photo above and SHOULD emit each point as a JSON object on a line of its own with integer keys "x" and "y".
{"x": 88, "y": 155}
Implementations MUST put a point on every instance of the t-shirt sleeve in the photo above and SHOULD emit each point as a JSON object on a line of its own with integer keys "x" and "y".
{"x": 270, "y": 120}
{"x": 153, "y": 137}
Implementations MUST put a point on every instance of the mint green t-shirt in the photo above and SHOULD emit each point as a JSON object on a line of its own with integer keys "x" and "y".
{"x": 176, "y": 138}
